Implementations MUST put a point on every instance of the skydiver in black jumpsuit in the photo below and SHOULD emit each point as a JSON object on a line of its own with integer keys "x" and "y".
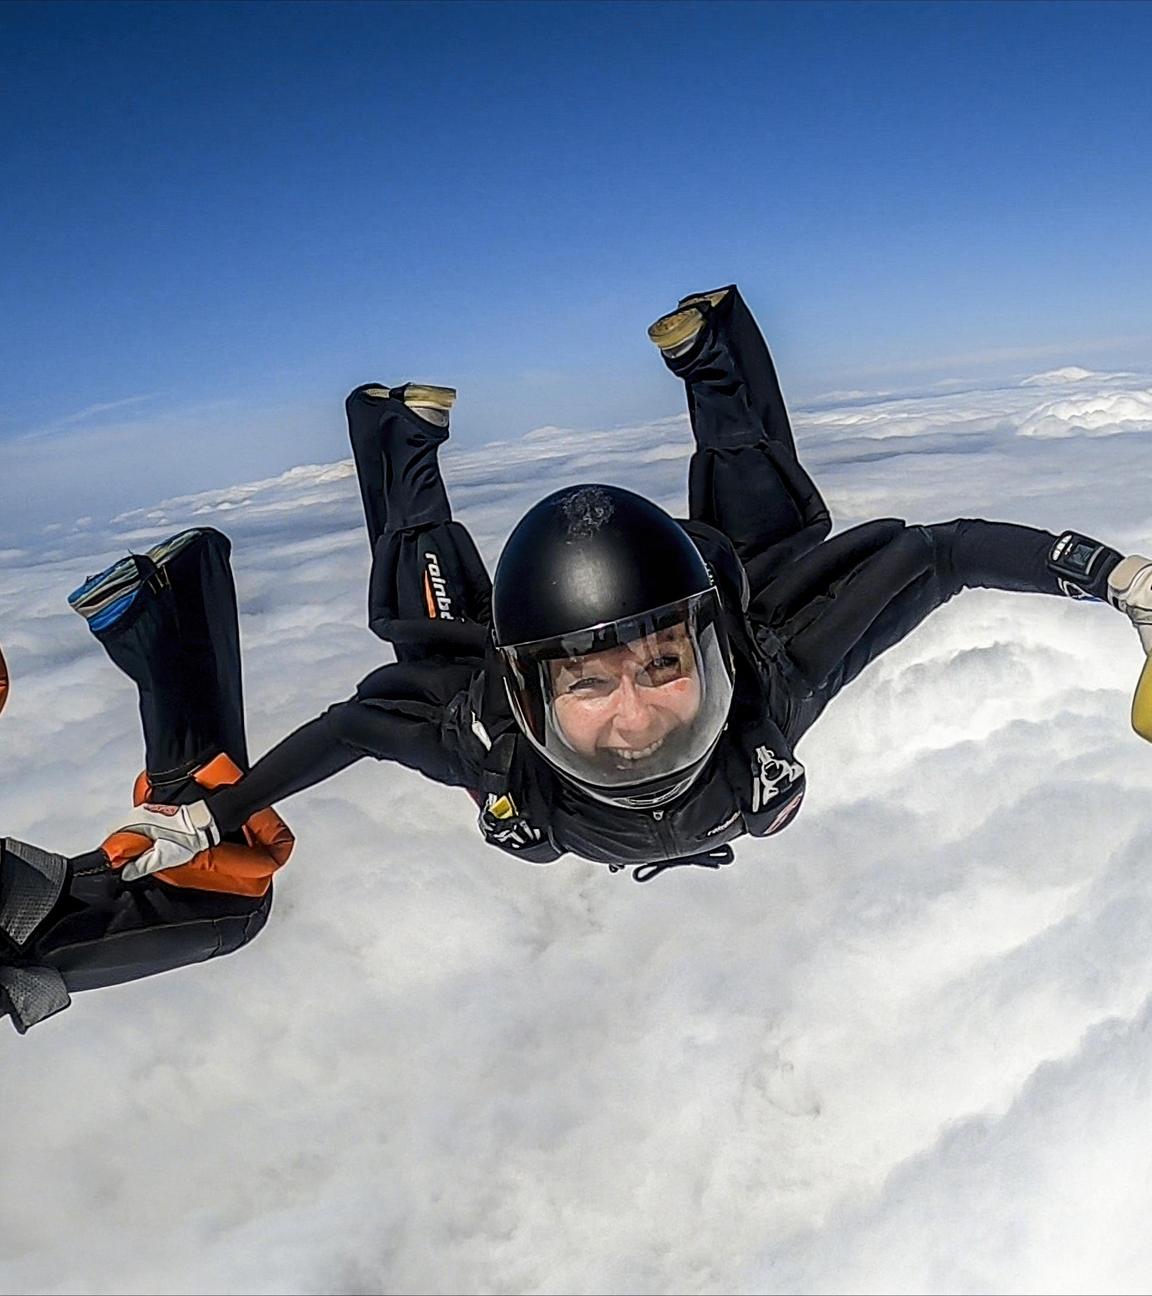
{"x": 168, "y": 620}
{"x": 791, "y": 616}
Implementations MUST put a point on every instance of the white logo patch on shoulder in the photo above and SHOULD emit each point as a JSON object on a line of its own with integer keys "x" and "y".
{"x": 771, "y": 776}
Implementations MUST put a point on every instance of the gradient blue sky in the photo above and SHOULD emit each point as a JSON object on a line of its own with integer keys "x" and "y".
{"x": 233, "y": 213}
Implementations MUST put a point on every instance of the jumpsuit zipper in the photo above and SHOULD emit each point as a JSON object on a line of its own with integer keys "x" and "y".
{"x": 665, "y": 837}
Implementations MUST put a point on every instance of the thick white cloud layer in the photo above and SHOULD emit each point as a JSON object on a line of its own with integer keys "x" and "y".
{"x": 905, "y": 1046}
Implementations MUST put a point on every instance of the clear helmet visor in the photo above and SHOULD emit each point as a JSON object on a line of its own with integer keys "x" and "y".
{"x": 628, "y": 704}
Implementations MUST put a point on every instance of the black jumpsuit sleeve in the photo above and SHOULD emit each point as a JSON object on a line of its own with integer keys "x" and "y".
{"x": 396, "y": 714}
{"x": 825, "y": 618}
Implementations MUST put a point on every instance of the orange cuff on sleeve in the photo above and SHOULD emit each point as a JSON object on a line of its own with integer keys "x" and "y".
{"x": 238, "y": 870}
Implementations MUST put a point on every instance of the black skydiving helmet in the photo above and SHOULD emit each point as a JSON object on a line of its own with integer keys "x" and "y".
{"x": 612, "y": 643}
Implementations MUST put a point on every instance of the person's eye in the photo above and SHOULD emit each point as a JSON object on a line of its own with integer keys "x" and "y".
{"x": 588, "y": 684}
{"x": 664, "y": 669}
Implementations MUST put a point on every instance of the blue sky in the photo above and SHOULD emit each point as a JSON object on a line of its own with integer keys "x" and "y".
{"x": 222, "y": 217}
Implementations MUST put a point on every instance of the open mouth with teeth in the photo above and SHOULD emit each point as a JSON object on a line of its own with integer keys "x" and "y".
{"x": 629, "y": 754}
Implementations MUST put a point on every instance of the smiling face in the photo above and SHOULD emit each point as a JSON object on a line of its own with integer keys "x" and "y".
{"x": 622, "y": 704}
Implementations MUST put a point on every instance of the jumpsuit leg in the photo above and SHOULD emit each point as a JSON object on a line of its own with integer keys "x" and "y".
{"x": 429, "y": 592}
{"x": 745, "y": 478}
{"x": 106, "y": 932}
{"x": 429, "y": 596}
{"x": 179, "y": 643}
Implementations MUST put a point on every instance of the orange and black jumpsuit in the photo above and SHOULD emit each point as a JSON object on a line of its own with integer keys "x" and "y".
{"x": 179, "y": 642}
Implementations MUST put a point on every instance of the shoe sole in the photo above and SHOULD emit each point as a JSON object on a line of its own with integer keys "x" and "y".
{"x": 113, "y": 612}
{"x": 105, "y": 597}
{"x": 418, "y": 394}
{"x": 113, "y": 583}
{"x": 676, "y": 328}
{"x": 168, "y": 549}
{"x": 712, "y": 298}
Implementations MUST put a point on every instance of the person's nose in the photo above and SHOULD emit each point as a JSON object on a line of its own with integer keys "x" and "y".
{"x": 633, "y": 715}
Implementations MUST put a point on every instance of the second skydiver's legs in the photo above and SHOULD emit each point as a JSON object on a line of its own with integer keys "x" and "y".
{"x": 175, "y": 634}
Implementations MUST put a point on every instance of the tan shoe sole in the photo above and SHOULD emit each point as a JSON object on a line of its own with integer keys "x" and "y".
{"x": 712, "y": 298}
{"x": 675, "y": 329}
{"x": 168, "y": 549}
{"x": 441, "y": 398}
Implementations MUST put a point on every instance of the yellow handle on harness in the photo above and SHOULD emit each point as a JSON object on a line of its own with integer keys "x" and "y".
{"x": 1142, "y": 703}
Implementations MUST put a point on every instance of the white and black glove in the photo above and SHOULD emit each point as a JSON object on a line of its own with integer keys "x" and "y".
{"x": 178, "y": 833}
{"x": 1130, "y": 590}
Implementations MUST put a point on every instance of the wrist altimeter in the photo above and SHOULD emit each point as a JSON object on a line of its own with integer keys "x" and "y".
{"x": 1080, "y": 562}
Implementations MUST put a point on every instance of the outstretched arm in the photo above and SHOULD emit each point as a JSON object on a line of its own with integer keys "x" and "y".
{"x": 315, "y": 752}
{"x": 861, "y": 592}
{"x": 396, "y": 714}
